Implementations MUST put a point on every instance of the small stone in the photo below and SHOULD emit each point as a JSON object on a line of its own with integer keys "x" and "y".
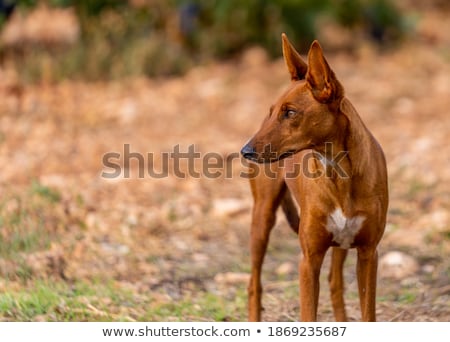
{"x": 232, "y": 278}
{"x": 128, "y": 111}
{"x": 200, "y": 257}
{"x": 397, "y": 265}
{"x": 40, "y": 318}
{"x": 115, "y": 248}
{"x": 428, "y": 268}
{"x": 285, "y": 269}
{"x": 229, "y": 206}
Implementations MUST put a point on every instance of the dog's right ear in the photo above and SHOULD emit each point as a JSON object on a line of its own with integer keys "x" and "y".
{"x": 294, "y": 62}
{"x": 321, "y": 79}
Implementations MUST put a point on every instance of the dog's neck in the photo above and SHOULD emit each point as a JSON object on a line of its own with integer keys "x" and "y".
{"x": 368, "y": 164}
{"x": 360, "y": 149}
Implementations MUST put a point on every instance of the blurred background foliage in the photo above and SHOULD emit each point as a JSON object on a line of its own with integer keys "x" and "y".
{"x": 166, "y": 37}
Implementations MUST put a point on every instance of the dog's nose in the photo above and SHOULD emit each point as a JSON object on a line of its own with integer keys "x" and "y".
{"x": 249, "y": 152}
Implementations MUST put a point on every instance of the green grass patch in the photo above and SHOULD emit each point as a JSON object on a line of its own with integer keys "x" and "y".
{"x": 45, "y": 192}
{"x": 28, "y": 222}
{"x": 66, "y": 302}
{"x": 95, "y": 301}
{"x": 26, "y": 305}
{"x": 407, "y": 297}
{"x": 202, "y": 307}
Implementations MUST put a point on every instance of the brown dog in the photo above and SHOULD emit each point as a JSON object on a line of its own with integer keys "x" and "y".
{"x": 323, "y": 154}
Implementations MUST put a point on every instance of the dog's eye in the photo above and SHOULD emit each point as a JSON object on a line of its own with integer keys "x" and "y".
{"x": 289, "y": 113}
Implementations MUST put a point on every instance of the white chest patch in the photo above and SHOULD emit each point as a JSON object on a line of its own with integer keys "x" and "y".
{"x": 343, "y": 229}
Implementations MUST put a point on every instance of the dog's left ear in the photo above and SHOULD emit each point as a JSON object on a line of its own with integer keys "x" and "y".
{"x": 294, "y": 62}
{"x": 321, "y": 79}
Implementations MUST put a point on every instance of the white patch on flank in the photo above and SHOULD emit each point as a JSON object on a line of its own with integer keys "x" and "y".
{"x": 343, "y": 229}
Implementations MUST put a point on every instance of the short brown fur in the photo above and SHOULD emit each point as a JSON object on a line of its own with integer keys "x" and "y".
{"x": 312, "y": 113}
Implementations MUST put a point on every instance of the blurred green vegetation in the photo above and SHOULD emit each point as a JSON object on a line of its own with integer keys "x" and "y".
{"x": 166, "y": 37}
{"x": 23, "y": 226}
{"x": 98, "y": 300}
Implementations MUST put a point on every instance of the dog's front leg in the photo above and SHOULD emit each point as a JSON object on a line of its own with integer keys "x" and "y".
{"x": 309, "y": 272}
{"x": 336, "y": 280}
{"x": 366, "y": 268}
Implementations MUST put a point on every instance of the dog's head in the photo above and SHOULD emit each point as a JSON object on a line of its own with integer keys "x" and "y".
{"x": 306, "y": 115}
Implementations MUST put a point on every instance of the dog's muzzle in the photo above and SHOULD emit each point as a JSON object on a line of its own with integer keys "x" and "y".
{"x": 249, "y": 152}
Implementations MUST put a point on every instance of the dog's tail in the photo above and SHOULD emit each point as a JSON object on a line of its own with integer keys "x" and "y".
{"x": 291, "y": 211}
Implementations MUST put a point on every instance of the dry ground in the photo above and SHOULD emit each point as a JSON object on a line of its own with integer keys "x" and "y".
{"x": 76, "y": 246}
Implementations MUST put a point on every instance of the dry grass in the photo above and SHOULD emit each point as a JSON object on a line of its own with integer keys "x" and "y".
{"x": 74, "y": 246}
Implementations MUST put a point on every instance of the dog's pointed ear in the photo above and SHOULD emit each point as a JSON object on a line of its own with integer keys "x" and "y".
{"x": 294, "y": 62}
{"x": 321, "y": 79}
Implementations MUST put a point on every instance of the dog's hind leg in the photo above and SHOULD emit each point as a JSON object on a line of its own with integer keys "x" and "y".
{"x": 290, "y": 211}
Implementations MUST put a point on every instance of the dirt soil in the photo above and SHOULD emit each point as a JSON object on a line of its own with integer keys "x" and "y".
{"x": 174, "y": 239}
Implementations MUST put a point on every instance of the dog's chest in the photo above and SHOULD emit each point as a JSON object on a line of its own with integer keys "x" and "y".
{"x": 344, "y": 229}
